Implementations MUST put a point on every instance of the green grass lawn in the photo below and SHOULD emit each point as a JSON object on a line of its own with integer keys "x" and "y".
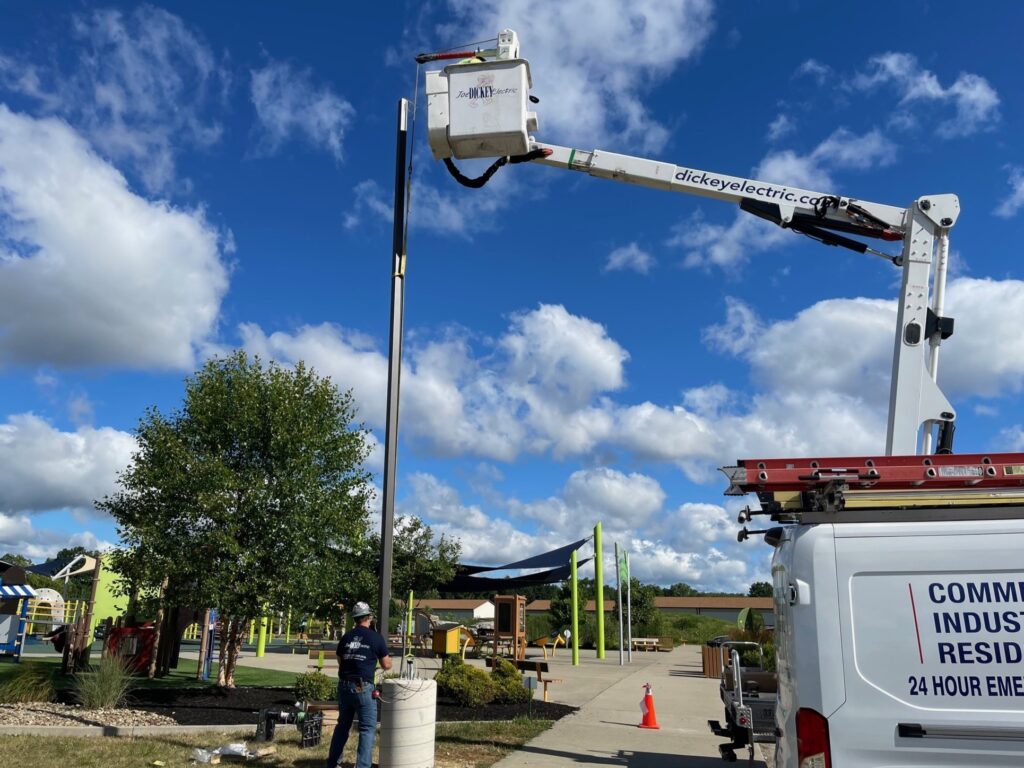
{"x": 183, "y": 677}
{"x": 456, "y": 745}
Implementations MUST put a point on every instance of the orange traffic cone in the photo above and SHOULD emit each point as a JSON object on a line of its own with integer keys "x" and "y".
{"x": 647, "y": 707}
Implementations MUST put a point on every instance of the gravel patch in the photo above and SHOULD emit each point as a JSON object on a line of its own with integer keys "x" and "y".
{"x": 67, "y": 714}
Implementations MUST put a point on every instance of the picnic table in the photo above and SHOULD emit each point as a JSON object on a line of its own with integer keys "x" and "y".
{"x": 646, "y": 643}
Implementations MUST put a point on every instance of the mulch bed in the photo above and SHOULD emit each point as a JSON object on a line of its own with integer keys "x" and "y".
{"x": 241, "y": 706}
{"x": 210, "y": 705}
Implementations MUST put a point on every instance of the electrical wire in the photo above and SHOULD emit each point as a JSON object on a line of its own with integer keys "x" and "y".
{"x": 467, "y": 45}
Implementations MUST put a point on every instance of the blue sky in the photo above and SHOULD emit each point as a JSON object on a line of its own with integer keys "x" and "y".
{"x": 179, "y": 180}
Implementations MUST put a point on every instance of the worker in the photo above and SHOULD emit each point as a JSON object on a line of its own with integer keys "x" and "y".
{"x": 359, "y": 651}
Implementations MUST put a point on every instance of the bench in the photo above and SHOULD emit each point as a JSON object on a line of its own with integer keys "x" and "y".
{"x": 537, "y": 667}
{"x": 645, "y": 643}
{"x": 324, "y": 658}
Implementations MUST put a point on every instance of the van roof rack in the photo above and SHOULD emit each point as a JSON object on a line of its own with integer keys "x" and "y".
{"x": 889, "y": 488}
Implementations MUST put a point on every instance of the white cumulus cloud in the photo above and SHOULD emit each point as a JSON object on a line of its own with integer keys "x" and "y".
{"x": 19, "y": 536}
{"x": 91, "y": 273}
{"x": 694, "y": 542}
{"x": 552, "y": 384}
{"x": 593, "y": 62}
{"x": 43, "y": 468}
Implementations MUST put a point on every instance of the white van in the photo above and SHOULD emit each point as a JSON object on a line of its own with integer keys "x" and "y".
{"x": 900, "y": 632}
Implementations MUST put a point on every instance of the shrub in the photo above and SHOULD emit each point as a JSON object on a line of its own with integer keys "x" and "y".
{"x": 508, "y": 684}
{"x": 698, "y": 630}
{"x": 654, "y": 626}
{"x": 30, "y": 683}
{"x": 104, "y": 685}
{"x": 466, "y": 685}
{"x": 538, "y": 626}
{"x": 315, "y": 686}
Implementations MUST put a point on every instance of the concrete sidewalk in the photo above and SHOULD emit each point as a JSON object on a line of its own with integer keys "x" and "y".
{"x": 604, "y": 732}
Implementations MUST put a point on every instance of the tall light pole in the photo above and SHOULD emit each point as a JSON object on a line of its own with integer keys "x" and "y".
{"x": 387, "y": 510}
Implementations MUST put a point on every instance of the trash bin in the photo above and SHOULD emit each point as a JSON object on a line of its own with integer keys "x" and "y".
{"x": 711, "y": 656}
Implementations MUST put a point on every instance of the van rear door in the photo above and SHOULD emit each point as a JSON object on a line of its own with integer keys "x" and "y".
{"x": 932, "y": 618}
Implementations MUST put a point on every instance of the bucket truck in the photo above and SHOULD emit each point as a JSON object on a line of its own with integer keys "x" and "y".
{"x": 898, "y": 585}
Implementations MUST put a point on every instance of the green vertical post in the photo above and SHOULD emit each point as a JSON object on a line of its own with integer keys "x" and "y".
{"x": 288, "y": 628}
{"x": 261, "y": 639}
{"x": 575, "y": 610}
{"x": 599, "y": 585}
{"x": 252, "y": 631}
{"x": 408, "y": 622}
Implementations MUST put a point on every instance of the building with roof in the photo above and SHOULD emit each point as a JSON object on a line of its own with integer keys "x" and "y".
{"x": 543, "y": 606}
{"x": 463, "y": 609}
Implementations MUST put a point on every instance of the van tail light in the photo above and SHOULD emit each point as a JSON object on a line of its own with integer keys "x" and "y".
{"x": 812, "y": 747}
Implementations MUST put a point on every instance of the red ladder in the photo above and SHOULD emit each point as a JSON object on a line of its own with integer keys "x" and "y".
{"x": 992, "y": 470}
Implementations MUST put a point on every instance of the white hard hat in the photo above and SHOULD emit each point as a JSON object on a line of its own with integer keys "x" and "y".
{"x": 361, "y": 609}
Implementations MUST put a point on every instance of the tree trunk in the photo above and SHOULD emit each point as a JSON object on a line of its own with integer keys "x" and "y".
{"x": 235, "y": 646}
{"x": 222, "y": 658}
{"x": 159, "y": 624}
{"x": 204, "y": 642}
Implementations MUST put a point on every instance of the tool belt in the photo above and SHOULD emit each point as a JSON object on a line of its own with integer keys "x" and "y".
{"x": 357, "y": 681}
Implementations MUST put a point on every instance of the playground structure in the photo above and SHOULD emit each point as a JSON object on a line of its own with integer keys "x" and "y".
{"x": 14, "y": 599}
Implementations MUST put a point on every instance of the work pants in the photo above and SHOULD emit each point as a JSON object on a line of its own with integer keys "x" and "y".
{"x": 360, "y": 705}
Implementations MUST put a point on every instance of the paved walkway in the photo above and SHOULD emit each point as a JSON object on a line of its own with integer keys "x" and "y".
{"x": 604, "y": 732}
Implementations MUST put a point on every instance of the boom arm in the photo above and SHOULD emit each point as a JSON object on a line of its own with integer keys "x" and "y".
{"x": 478, "y": 109}
{"x": 794, "y": 205}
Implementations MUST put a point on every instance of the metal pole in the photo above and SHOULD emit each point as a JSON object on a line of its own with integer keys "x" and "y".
{"x": 261, "y": 638}
{"x": 387, "y": 512}
{"x": 618, "y": 589}
{"x": 405, "y": 635}
{"x": 575, "y": 610}
{"x": 629, "y": 613}
{"x": 599, "y": 589}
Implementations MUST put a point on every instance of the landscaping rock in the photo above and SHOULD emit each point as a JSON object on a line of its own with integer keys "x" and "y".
{"x": 69, "y": 714}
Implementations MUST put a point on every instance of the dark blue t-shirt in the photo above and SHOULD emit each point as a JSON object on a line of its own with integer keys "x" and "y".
{"x": 358, "y": 651}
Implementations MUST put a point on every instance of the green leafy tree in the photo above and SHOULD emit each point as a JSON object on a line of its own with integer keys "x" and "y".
{"x": 19, "y": 560}
{"x": 70, "y": 552}
{"x": 561, "y": 604}
{"x": 421, "y": 561}
{"x": 760, "y": 589}
{"x": 252, "y": 496}
{"x": 642, "y": 601}
{"x": 34, "y": 580}
{"x": 681, "y": 589}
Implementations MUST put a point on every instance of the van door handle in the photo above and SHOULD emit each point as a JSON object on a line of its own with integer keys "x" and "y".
{"x": 799, "y": 593}
{"x": 984, "y": 733}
